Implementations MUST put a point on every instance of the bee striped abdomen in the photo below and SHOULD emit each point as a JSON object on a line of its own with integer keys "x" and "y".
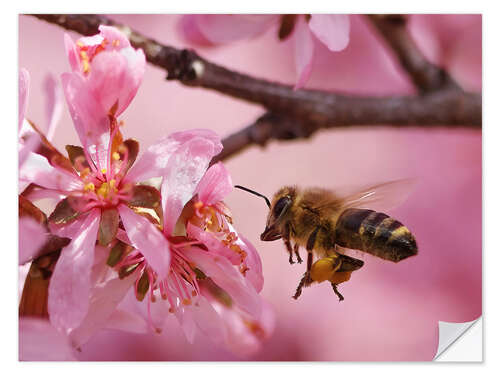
{"x": 375, "y": 233}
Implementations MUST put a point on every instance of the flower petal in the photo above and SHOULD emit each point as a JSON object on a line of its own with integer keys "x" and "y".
{"x": 36, "y": 169}
{"x": 71, "y": 53}
{"x": 69, "y": 288}
{"x": 40, "y": 341}
{"x": 127, "y": 321}
{"x": 70, "y": 230}
{"x": 304, "y": 51}
{"x": 331, "y": 29}
{"x": 91, "y": 121}
{"x": 116, "y": 77}
{"x": 147, "y": 239}
{"x": 215, "y": 185}
{"x": 24, "y": 83}
{"x": 253, "y": 262}
{"x": 153, "y": 162}
{"x": 189, "y": 29}
{"x": 228, "y": 278}
{"x": 214, "y": 245}
{"x": 54, "y": 102}
{"x": 226, "y": 28}
{"x": 104, "y": 299}
{"x": 26, "y": 146}
{"x": 116, "y": 39}
{"x": 208, "y": 320}
{"x": 184, "y": 170}
{"x": 32, "y": 236}
{"x": 246, "y": 334}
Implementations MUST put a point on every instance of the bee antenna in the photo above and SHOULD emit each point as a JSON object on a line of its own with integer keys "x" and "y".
{"x": 254, "y": 193}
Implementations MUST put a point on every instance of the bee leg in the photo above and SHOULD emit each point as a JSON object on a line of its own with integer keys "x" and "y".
{"x": 286, "y": 240}
{"x": 311, "y": 241}
{"x": 296, "y": 251}
{"x": 298, "y": 292}
{"x": 341, "y": 297}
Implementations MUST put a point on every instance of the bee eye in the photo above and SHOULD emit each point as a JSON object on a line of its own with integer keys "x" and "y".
{"x": 281, "y": 205}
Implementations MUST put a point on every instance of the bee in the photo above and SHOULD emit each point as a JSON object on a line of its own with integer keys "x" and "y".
{"x": 326, "y": 223}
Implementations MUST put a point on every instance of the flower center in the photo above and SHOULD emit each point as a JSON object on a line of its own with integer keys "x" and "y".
{"x": 215, "y": 219}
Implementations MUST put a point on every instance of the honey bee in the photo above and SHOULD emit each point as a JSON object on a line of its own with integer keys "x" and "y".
{"x": 326, "y": 222}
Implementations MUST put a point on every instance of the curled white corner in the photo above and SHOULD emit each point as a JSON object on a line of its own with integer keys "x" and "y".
{"x": 450, "y": 332}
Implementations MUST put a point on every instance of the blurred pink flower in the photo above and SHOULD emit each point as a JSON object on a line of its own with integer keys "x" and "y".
{"x": 25, "y": 144}
{"x": 31, "y": 234}
{"x": 39, "y": 341}
{"x": 332, "y": 30}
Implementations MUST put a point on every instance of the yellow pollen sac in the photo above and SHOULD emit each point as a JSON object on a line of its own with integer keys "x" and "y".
{"x": 104, "y": 170}
{"x": 89, "y": 187}
{"x": 85, "y": 61}
{"x": 79, "y": 44}
{"x": 112, "y": 183}
{"x": 116, "y": 156}
{"x": 186, "y": 302}
{"x": 86, "y": 66}
{"x": 103, "y": 190}
{"x": 324, "y": 269}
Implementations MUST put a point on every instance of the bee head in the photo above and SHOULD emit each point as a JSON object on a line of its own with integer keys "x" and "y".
{"x": 278, "y": 213}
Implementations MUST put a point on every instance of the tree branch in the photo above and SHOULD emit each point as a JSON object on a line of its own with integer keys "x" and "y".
{"x": 314, "y": 109}
{"x": 267, "y": 127}
{"x": 426, "y": 76}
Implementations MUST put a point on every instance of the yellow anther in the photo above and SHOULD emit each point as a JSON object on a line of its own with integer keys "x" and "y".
{"x": 86, "y": 66}
{"x": 103, "y": 190}
{"x": 89, "y": 187}
{"x": 186, "y": 302}
{"x": 79, "y": 44}
{"x": 116, "y": 156}
{"x": 112, "y": 183}
{"x": 104, "y": 170}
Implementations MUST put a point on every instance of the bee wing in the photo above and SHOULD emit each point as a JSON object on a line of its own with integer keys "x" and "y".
{"x": 382, "y": 196}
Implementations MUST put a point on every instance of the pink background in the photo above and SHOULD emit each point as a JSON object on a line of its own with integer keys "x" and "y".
{"x": 390, "y": 310}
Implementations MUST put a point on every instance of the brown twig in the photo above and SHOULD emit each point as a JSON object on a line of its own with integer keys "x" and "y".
{"x": 426, "y": 76}
{"x": 267, "y": 127}
{"x": 311, "y": 108}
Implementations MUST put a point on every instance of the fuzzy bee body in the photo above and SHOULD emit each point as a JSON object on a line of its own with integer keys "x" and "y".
{"x": 322, "y": 221}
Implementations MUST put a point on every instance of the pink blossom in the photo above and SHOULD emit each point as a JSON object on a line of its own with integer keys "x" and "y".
{"x": 205, "y": 280}
{"x": 29, "y": 139}
{"x": 332, "y": 30}
{"x": 25, "y": 145}
{"x": 31, "y": 234}
{"x": 94, "y": 187}
{"x": 40, "y": 341}
{"x": 215, "y": 274}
